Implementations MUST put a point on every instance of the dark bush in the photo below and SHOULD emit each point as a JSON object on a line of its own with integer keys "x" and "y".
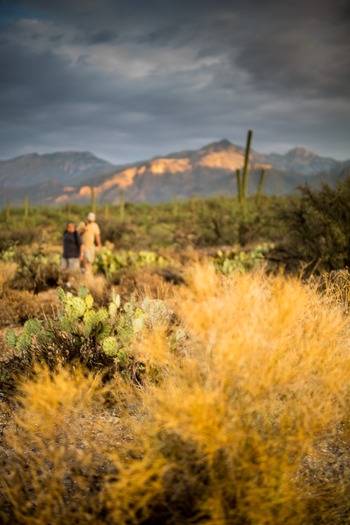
{"x": 318, "y": 230}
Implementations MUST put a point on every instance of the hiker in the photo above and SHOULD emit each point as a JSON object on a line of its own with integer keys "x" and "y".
{"x": 73, "y": 252}
{"x": 90, "y": 233}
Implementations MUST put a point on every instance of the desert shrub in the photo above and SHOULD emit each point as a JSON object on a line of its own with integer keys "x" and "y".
{"x": 318, "y": 225}
{"x": 55, "y": 458}
{"x": 7, "y": 273}
{"x": 17, "y": 306}
{"x": 235, "y": 428}
{"x": 334, "y": 286}
{"x": 22, "y": 234}
{"x": 151, "y": 282}
{"x": 116, "y": 231}
{"x": 36, "y": 268}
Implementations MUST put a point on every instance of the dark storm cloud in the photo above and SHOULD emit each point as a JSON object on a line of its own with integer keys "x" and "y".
{"x": 101, "y": 37}
{"x": 128, "y": 80}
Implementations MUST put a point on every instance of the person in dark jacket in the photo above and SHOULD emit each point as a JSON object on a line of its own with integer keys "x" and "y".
{"x": 73, "y": 252}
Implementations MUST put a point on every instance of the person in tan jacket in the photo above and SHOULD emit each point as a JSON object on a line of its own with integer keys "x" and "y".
{"x": 91, "y": 236}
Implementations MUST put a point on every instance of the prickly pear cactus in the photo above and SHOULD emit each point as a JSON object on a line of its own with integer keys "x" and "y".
{"x": 105, "y": 331}
{"x": 83, "y": 292}
{"x": 138, "y": 324}
{"x": 101, "y": 315}
{"x": 75, "y": 307}
{"x": 11, "y": 338}
{"x": 89, "y": 301}
{"x": 112, "y": 310}
{"x": 32, "y": 327}
{"x": 116, "y": 299}
{"x": 60, "y": 294}
{"x": 23, "y": 343}
{"x": 69, "y": 324}
{"x": 110, "y": 346}
{"x": 88, "y": 322}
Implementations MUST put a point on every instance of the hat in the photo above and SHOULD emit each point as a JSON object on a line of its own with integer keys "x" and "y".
{"x": 91, "y": 216}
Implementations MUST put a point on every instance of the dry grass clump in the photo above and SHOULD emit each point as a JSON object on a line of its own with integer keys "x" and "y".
{"x": 247, "y": 423}
{"x": 335, "y": 286}
{"x": 97, "y": 285}
{"x": 16, "y": 306}
{"x": 7, "y": 273}
{"x": 157, "y": 283}
{"x": 55, "y": 457}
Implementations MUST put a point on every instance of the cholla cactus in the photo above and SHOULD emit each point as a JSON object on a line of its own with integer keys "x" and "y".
{"x": 156, "y": 311}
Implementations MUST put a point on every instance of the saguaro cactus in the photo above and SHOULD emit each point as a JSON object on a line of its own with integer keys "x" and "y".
{"x": 239, "y": 186}
{"x": 93, "y": 200}
{"x": 175, "y": 205}
{"x": 246, "y": 163}
{"x": 26, "y": 204}
{"x": 122, "y": 206}
{"x": 8, "y": 211}
{"x": 260, "y": 185}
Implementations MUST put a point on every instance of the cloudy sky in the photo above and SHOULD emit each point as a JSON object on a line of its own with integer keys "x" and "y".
{"x": 131, "y": 79}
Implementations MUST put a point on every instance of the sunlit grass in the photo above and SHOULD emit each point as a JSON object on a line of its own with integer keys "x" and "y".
{"x": 242, "y": 420}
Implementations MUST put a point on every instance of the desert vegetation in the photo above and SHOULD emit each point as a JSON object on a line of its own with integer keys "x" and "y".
{"x": 199, "y": 376}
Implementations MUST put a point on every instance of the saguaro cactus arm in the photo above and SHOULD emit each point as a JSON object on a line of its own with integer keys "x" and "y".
{"x": 246, "y": 163}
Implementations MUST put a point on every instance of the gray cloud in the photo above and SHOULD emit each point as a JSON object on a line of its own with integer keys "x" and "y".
{"x": 129, "y": 80}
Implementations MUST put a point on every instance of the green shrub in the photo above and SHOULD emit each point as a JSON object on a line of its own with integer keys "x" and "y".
{"x": 36, "y": 270}
{"x": 318, "y": 230}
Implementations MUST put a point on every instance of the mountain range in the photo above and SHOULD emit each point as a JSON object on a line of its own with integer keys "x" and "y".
{"x": 63, "y": 177}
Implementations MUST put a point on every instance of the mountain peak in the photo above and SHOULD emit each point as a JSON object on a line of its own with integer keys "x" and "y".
{"x": 299, "y": 153}
{"x": 218, "y": 146}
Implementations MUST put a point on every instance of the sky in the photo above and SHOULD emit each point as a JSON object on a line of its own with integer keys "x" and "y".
{"x": 132, "y": 79}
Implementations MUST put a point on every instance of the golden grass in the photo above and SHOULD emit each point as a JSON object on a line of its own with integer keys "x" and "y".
{"x": 248, "y": 423}
{"x": 7, "y": 273}
{"x": 96, "y": 284}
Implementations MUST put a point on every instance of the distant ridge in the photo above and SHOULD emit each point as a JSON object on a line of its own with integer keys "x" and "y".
{"x": 67, "y": 176}
{"x": 66, "y": 167}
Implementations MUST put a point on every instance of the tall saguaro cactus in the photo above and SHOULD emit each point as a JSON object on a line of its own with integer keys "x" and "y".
{"x": 245, "y": 167}
{"x": 26, "y": 205}
{"x": 260, "y": 185}
{"x": 175, "y": 205}
{"x": 122, "y": 206}
{"x": 239, "y": 186}
{"x": 93, "y": 199}
{"x": 8, "y": 210}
